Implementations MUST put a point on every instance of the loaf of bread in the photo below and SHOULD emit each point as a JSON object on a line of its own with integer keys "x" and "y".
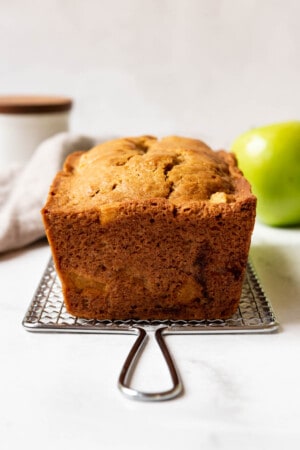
{"x": 142, "y": 228}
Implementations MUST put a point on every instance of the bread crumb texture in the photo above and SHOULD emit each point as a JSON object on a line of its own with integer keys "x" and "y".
{"x": 142, "y": 228}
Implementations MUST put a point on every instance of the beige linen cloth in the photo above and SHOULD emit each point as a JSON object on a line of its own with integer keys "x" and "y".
{"x": 23, "y": 190}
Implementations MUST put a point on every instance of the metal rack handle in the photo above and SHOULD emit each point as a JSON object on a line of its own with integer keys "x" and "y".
{"x": 130, "y": 364}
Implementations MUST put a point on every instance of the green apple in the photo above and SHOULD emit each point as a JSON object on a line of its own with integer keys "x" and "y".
{"x": 269, "y": 157}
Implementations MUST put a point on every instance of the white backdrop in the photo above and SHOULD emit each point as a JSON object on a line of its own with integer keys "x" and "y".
{"x": 206, "y": 68}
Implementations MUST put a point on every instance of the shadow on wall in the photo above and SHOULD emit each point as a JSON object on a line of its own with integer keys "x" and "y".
{"x": 278, "y": 271}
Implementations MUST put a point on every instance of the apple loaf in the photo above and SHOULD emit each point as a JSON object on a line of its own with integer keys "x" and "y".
{"x": 142, "y": 228}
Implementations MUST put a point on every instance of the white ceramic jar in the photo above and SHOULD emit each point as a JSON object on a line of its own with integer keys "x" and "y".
{"x": 25, "y": 121}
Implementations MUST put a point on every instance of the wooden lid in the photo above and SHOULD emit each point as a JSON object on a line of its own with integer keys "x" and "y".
{"x": 31, "y": 104}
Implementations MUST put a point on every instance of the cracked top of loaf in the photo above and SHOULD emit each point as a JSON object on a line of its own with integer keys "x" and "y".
{"x": 178, "y": 169}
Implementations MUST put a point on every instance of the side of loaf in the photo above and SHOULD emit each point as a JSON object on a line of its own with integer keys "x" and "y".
{"x": 142, "y": 228}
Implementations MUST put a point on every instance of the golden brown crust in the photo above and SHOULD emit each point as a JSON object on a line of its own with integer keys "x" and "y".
{"x": 179, "y": 169}
{"x": 148, "y": 229}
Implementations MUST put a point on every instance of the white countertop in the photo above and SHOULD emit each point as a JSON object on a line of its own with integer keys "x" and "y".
{"x": 59, "y": 391}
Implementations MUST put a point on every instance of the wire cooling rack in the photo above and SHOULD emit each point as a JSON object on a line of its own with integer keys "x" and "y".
{"x": 47, "y": 313}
